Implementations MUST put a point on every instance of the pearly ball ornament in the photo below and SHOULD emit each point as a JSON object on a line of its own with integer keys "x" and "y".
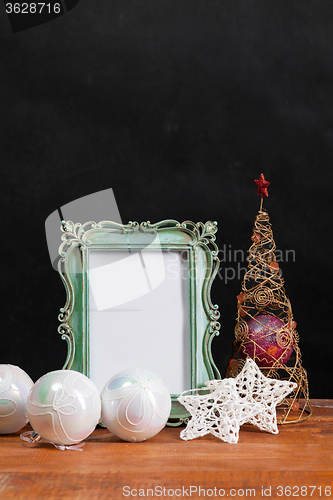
{"x": 269, "y": 340}
{"x": 64, "y": 407}
{"x": 135, "y": 405}
{"x": 15, "y": 385}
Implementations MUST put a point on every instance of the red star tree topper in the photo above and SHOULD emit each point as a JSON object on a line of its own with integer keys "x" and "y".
{"x": 262, "y": 185}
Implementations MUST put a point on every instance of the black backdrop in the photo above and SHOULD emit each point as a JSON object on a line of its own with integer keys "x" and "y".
{"x": 177, "y": 105}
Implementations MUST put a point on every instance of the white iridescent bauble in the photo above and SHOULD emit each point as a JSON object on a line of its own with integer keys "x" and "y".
{"x": 64, "y": 407}
{"x": 15, "y": 385}
{"x": 135, "y": 405}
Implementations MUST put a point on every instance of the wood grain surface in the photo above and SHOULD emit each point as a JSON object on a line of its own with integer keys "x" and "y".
{"x": 260, "y": 465}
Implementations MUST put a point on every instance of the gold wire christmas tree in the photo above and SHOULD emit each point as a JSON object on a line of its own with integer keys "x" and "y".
{"x": 265, "y": 330}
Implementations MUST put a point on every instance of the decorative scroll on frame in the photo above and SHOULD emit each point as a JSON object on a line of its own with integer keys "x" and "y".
{"x": 139, "y": 295}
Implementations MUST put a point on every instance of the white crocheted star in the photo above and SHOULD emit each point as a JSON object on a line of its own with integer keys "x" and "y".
{"x": 232, "y": 402}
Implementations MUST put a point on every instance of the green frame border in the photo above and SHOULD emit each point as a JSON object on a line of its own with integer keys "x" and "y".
{"x": 197, "y": 239}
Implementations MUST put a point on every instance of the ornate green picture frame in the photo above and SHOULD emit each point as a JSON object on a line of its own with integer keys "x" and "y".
{"x": 195, "y": 242}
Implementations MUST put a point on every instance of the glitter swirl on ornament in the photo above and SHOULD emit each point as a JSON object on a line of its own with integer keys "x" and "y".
{"x": 241, "y": 330}
{"x": 262, "y": 297}
{"x": 135, "y": 405}
{"x": 283, "y": 338}
{"x": 64, "y": 407}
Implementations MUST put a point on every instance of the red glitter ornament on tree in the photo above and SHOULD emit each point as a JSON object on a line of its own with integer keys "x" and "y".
{"x": 269, "y": 341}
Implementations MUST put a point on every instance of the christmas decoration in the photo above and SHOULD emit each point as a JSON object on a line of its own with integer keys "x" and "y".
{"x": 64, "y": 407}
{"x": 135, "y": 405}
{"x": 265, "y": 328}
{"x": 248, "y": 398}
{"x": 262, "y": 185}
{"x": 15, "y": 385}
{"x": 268, "y": 340}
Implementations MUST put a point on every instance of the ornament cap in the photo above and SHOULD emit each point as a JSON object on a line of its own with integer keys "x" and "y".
{"x": 34, "y": 438}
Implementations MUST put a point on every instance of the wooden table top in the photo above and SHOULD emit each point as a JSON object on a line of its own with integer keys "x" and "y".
{"x": 260, "y": 465}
